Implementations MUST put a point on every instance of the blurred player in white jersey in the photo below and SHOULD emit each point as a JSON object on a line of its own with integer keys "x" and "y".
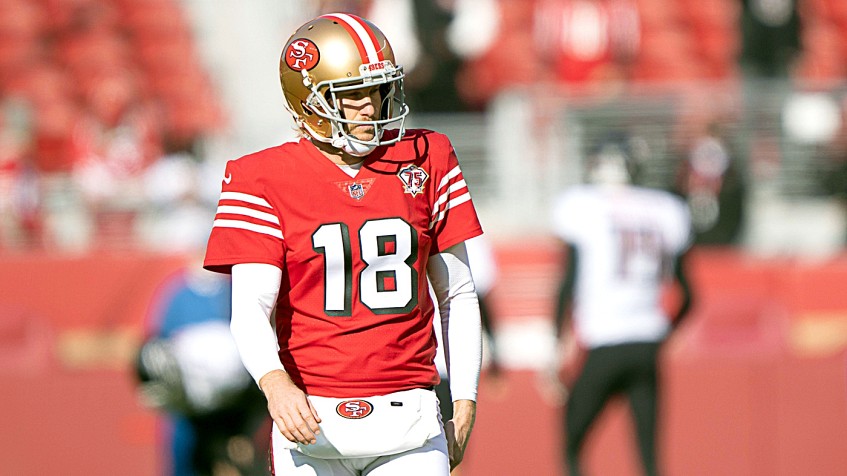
{"x": 624, "y": 244}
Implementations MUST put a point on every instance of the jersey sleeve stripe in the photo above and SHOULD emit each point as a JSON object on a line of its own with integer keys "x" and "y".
{"x": 245, "y": 197}
{"x": 276, "y": 233}
{"x": 450, "y": 175}
{"x": 233, "y": 210}
{"x": 461, "y": 184}
{"x": 451, "y": 204}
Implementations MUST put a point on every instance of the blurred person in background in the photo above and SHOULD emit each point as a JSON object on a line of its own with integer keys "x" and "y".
{"x": 712, "y": 183}
{"x": 43, "y": 92}
{"x": 589, "y": 44}
{"x": 623, "y": 244}
{"x": 20, "y": 224}
{"x": 418, "y": 30}
{"x": 188, "y": 368}
{"x": 770, "y": 33}
{"x": 116, "y": 140}
{"x": 330, "y": 241}
{"x": 179, "y": 201}
{"x": 430, "y": 38}
{"x": 497, "y": 49}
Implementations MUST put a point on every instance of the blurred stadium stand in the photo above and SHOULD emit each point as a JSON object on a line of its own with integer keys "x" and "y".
{"x": 198, "y": 81}
{"x": 737, "y": 105}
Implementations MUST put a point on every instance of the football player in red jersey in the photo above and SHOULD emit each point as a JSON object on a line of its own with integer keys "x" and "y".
{"x": 331, "y": 241}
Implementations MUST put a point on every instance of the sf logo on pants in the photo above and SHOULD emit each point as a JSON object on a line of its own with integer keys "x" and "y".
{"x": 354, "y": 409}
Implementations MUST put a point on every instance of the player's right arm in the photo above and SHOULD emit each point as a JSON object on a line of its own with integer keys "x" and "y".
{"x": 255, "y": 287}
{"x": 566, "y": 218}
{"x": 565, "y": 291}
{"x": 557, "y": 376}
{"x": 681, "y": 237}
{"x": 686, "y": 294}
{"x": 246, "y": 240}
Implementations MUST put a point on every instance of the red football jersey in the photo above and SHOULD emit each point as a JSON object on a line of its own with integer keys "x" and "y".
{"x": 354, "y": 316}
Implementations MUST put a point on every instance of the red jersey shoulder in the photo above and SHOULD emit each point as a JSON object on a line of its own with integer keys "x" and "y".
{"x": 263, "y": 163}
{"x": 424, "y": 146}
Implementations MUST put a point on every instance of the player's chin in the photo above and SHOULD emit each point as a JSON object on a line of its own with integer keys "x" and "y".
{"x": 364, "y": 133}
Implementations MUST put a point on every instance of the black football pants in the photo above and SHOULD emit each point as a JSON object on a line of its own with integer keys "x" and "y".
{"x": 625, "y": 369}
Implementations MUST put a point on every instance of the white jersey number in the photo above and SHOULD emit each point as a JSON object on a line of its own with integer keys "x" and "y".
{"x": 640, "y": 254}
{"x": 388, "y": 283}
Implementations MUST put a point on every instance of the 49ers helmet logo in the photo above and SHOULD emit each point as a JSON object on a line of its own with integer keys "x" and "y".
{"x": 302, "y": 54}
{"x": 354, "y": 409}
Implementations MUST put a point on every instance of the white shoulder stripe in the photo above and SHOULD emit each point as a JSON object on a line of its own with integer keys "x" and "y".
{"x": 276, "y": 233}
{"x": 373, "y": 57}
{"x": 452, "y": 203}
{"x": 451, "y": 174}
{"x": 245, "y": 197}
{"x": 443, "y": 197}
{"x": 231, "y": 210}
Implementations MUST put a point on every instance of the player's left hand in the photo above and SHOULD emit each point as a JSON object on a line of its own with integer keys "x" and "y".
{"x": 459, "y": 430}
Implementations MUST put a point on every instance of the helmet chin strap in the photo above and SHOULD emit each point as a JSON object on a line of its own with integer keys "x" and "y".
{"x": 356, "y": 149}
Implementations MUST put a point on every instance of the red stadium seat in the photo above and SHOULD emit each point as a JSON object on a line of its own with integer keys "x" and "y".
{"x": 813, "y": 9}
{"x": 40, "y": 82}
{"x": 189, "y": 103}
{"x": 21, "y": 25}
{"x": 666, "y": 55}
{"x": 62, "y": 15}
{"x": 718, "y": 49}
{"x": 93, "y": 51}
{"x": 16, "y": 53}
{"x": 159, "y": 18}
{"x": 823, "y": 55}
{"x": 658, "y": 14}
{"x": 21, "y": 18}
{"x": 54, "y": 53}
{"x": 836, "y": 11}
{"x": 713, "y": 14}
{"x": 164, "y": 54}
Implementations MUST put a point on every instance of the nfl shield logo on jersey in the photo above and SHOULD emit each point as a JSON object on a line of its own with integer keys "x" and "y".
{"x": 356, "y": 189}
{"x": 413, "y": 178}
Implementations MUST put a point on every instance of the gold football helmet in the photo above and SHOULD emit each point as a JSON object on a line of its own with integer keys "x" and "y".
{"x": 335, "y": 53}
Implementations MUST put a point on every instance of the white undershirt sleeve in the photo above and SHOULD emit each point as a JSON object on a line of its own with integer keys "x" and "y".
{"x": 255, "y": 287}
{"x": 451, "y": 280}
